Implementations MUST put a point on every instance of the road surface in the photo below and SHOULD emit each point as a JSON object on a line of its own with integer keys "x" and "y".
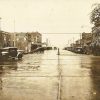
{"x": 48, "y": 76}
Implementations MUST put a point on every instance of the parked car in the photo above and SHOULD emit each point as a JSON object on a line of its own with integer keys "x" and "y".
{"x": 48, "y": 48}
{"x": 20, "y": 54}
{"x": 79, "y": 50}
{"x": 10, "y": 53}
{"x": 39, "y": 49}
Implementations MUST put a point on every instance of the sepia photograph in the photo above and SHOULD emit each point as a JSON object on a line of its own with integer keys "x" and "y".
{"x": 49, "y": 49}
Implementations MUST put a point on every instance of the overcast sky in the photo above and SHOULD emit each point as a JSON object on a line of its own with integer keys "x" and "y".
{"x": 46, "y": 16}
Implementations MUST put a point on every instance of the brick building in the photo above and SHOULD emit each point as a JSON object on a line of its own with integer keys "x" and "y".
{"x": 86, "y": 42}
{"x": 35, "y": 38}
{"x": 5, "y": 39}
{"x": 28, "y": 41}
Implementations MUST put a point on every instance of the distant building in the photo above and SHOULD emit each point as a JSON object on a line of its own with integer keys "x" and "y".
{"x": 78, "y": 43}
{"x": 4, "y": 39}
{"x": 86, "y": 42}
{"x": 87, "y": 39}
{"x": 24, "y": 41}
{"x": 28, "y": 41}
{"x": 35, "y": 38}
{"x": 21, "y": 41}
{"x": 1, "y": 39}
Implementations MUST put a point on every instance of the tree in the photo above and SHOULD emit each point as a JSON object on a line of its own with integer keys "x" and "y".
{"x": 95, "y": 15}
{"x": 95, "y": 19}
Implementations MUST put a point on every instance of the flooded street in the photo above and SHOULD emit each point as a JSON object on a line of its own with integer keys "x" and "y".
{"x": 48, "y": 76}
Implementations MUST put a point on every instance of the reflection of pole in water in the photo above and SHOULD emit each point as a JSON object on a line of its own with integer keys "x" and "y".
{"x": 59, "y": 78}
{"x": 1, "y": 72}
{"x": 0, "y": 83}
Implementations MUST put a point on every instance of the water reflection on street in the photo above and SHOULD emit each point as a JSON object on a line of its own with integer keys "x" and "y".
{"x": 48, "y": 76}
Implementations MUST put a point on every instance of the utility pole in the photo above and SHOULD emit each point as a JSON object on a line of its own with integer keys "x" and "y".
{"x": 47, "y": 42}
{"x": 58, "y": 52}
{"x": 0, "y": 34}
{"x": 73, "y": 39}
{"x": 80, "y": 39}
{"x": 14, "y": 33}
{"x": 0, "y": 24}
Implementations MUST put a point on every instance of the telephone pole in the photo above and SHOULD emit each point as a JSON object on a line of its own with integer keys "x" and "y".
{"x": 0, "y": 23}
{"x": 14, "y": 32}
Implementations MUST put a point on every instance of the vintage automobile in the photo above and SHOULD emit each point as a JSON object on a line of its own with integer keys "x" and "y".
{"x": 79, "y": 50}
{"x": 39, "y": 49}
{"x": 10, "y": 53}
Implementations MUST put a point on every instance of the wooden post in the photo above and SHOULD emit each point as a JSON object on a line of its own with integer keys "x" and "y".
{"x": 58, "y": 52}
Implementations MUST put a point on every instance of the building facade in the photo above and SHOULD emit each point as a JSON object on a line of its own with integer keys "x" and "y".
{"x": 5, "y": 39}
{"x": 28, "y": 41}
{"x": 83, "y": 44}
{"x": 35, "y": 38}
{"x": 86, "y": 42}
{"x": 23, "y": 41}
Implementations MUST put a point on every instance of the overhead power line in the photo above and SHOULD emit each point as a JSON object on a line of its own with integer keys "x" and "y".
{"x": 60, "y": 33}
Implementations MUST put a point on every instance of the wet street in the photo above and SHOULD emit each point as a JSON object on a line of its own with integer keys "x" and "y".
{"x": 48, "y": 76}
